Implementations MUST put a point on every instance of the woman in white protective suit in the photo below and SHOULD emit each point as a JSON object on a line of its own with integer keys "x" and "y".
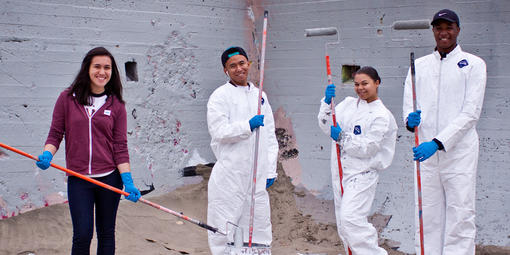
{"x": 366, "y": 132}
{"x": 232, "y": 121}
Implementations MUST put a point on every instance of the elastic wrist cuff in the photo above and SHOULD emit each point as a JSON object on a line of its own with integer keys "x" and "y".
{"x": 410, "y": 129}
{"x": 439, "y": 144}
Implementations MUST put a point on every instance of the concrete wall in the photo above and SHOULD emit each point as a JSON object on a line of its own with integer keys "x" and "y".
{"x": 296, "y": 78}
{"x": 176, "y": 45}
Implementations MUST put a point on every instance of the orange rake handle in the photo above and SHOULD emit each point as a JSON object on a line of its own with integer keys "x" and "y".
{"x": 106, "y": 186}
{"x": 116, "y": 190}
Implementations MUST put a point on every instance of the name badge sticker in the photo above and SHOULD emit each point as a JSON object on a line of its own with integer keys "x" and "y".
{"x": 107, "y": 112}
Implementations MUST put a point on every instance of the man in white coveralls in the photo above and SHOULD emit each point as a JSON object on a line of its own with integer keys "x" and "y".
{"x": 232, "y": 121}
{"x": 450, "y": 86}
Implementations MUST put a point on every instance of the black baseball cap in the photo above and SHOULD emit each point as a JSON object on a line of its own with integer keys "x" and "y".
{"x": 445, "y": 14}
{"x": 230, "y": 52}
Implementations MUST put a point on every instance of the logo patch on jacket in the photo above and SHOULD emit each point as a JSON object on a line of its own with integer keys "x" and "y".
{"x": 462, "y": 63}
{"x": 357, "y": 130}
{"x": 107, "y": 112}
{"x": 262, "y": 101}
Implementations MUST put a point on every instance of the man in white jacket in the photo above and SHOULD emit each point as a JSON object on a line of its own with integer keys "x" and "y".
{"x": 450, "y": 86}
{"x": 232, "y": 121}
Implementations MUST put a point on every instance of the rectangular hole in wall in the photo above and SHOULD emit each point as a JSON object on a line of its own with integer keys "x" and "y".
{"x": 131, "y": 72}
{"x": 348, "y": 73}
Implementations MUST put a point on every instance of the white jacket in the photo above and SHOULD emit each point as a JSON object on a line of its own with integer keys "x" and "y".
{"x": 449, "y": 93}
{"x": 368, "y": 134}
{"x": 228, "y": 113}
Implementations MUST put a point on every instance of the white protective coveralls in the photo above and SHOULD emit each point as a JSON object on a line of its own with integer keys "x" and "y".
{"x": 367, "y": 146}
{"x": 229, "y": 110}
{"x": 449, "y": 93}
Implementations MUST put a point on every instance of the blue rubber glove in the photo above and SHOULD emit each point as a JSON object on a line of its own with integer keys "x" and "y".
{"x": 256, "y": 121}
{"x": 330, "y": 92}
{"x": 425, "y": 150}
{"x": 129, "y": 187}
{"x": 269, "y": 182}
{"x": 44, "y": 160}
{"x": 335, "y": 131}
{"x": 414, "y": 118}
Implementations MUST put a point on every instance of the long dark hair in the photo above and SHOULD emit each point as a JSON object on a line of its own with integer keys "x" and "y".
{"x": 371, "y": 72}
{"x": 81, "y": 84}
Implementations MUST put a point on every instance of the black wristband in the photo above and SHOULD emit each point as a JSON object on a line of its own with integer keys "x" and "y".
{"x": 440, "y": 145}
{"x": 410, "y": 129}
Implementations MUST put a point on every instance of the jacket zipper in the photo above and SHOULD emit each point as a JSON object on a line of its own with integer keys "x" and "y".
{"x": 438, "y": 99}
{"x": 90, "y": 140}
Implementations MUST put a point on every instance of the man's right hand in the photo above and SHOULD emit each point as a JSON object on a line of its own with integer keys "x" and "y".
{"x": 256, "y": 121}
{"x": 413, "y": 119}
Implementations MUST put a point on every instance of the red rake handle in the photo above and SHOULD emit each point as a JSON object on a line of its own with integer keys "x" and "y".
{"x": 116, "y": 190}
{"x": 416, "y": 144}
{"x": 333, "y": 115}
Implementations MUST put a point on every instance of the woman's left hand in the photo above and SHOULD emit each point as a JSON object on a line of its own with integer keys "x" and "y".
{"x": 129, "y": 187}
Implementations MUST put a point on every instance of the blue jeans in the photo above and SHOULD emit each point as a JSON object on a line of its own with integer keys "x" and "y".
{"x": 82, "y": 196}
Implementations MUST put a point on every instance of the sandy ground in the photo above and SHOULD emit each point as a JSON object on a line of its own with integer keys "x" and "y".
{"x": 145, "y": 230}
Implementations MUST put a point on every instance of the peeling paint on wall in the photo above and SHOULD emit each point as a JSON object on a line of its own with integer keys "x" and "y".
{"x": 3, "y": 155}
{"x": 168, "y": 82}
{"x": 27, "y": 200}
{"x": 288, "y": 152}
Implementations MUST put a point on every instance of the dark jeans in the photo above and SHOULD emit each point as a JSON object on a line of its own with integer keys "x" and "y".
{"x": 82, "y": 196}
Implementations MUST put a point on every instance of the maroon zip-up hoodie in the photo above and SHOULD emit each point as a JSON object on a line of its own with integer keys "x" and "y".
{"x": 93, "y": 145}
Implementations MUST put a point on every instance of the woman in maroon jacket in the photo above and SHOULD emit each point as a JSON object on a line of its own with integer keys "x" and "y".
{"x": 91, "y": 115}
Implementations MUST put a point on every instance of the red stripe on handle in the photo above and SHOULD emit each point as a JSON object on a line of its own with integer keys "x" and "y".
{"x": 416, "y": 144}
{"x": 338, "y": 153}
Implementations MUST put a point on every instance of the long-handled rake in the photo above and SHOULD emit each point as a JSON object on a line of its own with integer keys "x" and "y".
{"x": 116, "y": 190}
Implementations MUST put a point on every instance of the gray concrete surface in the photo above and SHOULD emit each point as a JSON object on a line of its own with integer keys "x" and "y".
{"x": 296, "y": 77}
